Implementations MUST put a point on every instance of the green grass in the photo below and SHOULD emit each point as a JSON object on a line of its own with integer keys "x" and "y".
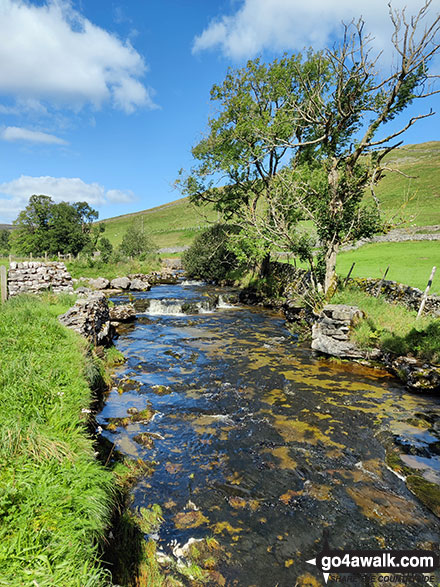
{"x": 56, "y": 499}
{"x": 410, "y": 262}
{"x": 392, "y": 327}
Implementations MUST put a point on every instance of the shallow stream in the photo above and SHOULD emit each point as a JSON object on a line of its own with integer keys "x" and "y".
{"x": 262, "y": 445}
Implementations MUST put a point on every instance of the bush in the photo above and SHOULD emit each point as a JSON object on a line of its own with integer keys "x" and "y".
{"x": 209, "y": 257}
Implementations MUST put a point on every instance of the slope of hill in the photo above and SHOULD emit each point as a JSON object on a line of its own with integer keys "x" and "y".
{"x": 412, "y": 193}
{"x": 170, "y": 225}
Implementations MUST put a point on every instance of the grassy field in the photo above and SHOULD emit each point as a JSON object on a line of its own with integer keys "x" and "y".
{"x": 56, "y": 499}
{"x": 410, "y": 262}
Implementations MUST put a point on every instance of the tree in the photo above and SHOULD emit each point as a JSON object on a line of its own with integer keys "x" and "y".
{"x": 4, "y": 241}
{"x": 136, "y": 242}
{"x": 308, "y": 136}
{"x": 254, "y": 135}
{"x": 105, "y": 248}
{"x": 209, "y": 256}
{"x": 44, "y": 226}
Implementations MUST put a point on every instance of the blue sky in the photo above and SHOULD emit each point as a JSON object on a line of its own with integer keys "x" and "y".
{"x": 102, "y": 101}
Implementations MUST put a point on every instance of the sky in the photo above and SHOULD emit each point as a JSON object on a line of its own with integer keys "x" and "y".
{"x": 102, "y": 100}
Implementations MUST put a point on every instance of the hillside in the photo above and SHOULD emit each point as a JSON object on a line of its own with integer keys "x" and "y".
{"x": 170, "y": 225}
{"x": 416, "y": 198}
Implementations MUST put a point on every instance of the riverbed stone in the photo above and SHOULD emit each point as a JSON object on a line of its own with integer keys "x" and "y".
{"x": 418, "y": 376}
{"x": 139, "y": 285}
{"x": 120, "y": 283}
{"x": 122, "y": 313}
{"x": 99, "y": 283}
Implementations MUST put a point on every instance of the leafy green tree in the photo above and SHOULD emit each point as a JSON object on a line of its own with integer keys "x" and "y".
{"x": 106, "y": 249}
{"x": 303, "y": 138}
{"x": 264, "y": 119}
{"x": 210, "y": 257}
{"x": 4, "y": 242}
{"x": 44, "y": 226}
{"x": 136, "y": 242}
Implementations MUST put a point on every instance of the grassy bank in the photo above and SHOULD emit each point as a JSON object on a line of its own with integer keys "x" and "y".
{"x": 392, "y": 327}
{"x": 56, "y": 498}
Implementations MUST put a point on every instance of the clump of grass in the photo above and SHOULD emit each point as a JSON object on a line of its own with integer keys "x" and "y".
{"x": 392, "y": 327}
{"x": 56, "y": 500}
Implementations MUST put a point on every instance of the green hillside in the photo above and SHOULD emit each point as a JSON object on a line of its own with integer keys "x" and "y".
{"x": 170, "y": 225}
{"x": 416, "y": 198}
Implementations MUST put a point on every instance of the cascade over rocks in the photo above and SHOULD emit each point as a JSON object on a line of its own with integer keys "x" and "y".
{"x": 90, "y": 317}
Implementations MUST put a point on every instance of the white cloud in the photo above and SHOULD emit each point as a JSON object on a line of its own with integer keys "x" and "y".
{"x": 282, "y": 25}
{"x": 14, "y": 195}
{"x": 52, "y": 53}
{"x": 15, "y": 133}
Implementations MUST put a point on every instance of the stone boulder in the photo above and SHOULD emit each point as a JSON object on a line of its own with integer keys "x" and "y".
{"x": 120, "y": 283}
{"x": 99, "y": 283}
{"x": 139, "y": 285}
{"x": 123, "y": 313}
{"x": 331, "y": 332}
{"x": 90, "y": 317}
{"x": 417, "y": 375}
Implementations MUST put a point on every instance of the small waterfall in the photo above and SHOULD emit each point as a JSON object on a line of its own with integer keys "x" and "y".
{"x": 164, "y": 307}
{"x": 223, "y": 303}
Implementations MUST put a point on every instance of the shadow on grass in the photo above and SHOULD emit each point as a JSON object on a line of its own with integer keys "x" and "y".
{"x": 423, "y": 343}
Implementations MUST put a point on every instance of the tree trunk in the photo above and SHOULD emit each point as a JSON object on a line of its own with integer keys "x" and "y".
{"x": 330, "y": 265}
{"x": 265, "y": 266}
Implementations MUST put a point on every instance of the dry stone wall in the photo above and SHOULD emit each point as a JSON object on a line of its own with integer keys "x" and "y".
{"x": 35, "y": 277}
{"x": 402, "y": 294}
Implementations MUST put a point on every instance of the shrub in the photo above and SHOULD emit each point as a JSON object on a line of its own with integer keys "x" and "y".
{"x": 209, "y": 257}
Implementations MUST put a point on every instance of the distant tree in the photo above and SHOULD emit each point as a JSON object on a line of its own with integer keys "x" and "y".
{"x": 136, "y": 242}
{"x": 4, "y": 242}
{"x": 106, "y": 249}
{"x": 46, "y": 226}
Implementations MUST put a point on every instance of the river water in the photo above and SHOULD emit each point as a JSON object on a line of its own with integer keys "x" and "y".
{"x": 262, "y": 445}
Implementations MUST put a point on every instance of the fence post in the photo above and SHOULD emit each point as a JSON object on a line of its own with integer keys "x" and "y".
{"x": 425, "y": 294}
{"x": 381, "y": 281}
{"x": 4, "y": 283}
{"x": 349, "y": 273}
{"x": 45, "y": 256}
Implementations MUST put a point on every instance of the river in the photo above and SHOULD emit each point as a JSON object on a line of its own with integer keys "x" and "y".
{"x": 262, "y": 445}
